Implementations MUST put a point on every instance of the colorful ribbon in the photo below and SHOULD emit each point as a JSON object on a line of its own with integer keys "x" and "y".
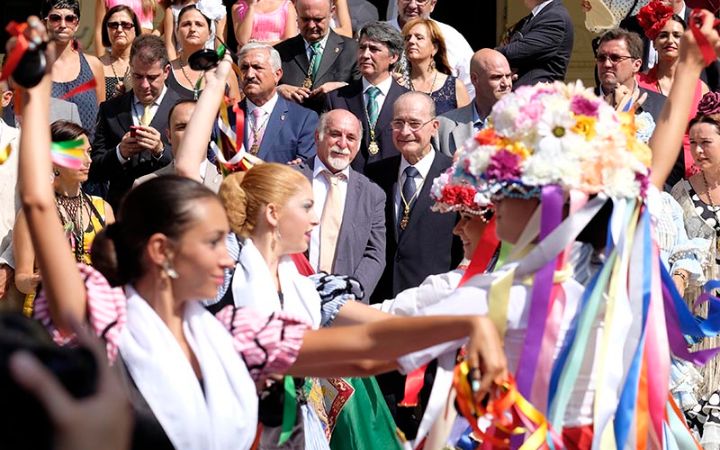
{"x": 5, "y": 154}
{"x": 289, "y": 410}
{"x": 706, "y": 49}
{"x": 69, "y": 154}
{"x": 86, "y": 86}
{"x": 21, "y": 46}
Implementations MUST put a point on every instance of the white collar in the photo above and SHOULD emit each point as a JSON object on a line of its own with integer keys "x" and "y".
{"x": 536, "y": 10}
{"x": 423, "y": 166}
{"x": 320, "y": 168}
{"x": 268, "y": 107}
{"x": 323, "y": 42}
{"x": 384, "y": 85}
{"x": 155, "y": 102}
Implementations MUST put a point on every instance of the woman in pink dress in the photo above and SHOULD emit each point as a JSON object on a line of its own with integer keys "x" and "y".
{"x": 266, "y": 21}
{"x": 665, "y": 29}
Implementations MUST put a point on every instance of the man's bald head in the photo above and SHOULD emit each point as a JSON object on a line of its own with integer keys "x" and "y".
{"x": 491, "y": 76}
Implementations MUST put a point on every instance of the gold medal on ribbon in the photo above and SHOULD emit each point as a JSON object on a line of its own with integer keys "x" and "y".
{"x": 254, "y": 149}
{"x": 373, "y": 148}
{"x": 405, "y": 218}
{"x": 307, "y": 84}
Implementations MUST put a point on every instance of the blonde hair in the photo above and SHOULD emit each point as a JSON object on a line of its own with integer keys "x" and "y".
{"x": 245, "y": 194}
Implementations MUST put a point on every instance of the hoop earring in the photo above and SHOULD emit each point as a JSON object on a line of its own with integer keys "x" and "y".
{"x": 170, "y": 271}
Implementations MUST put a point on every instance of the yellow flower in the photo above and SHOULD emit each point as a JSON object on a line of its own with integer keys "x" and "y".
{"x": 627, "y": 124}
{"x": 585, "y": 126}
{"x": 515, "y": 147}
{"x": 640, "y": 151}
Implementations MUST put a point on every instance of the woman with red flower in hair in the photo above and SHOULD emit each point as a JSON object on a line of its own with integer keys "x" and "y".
{"x": 664, "y": 29}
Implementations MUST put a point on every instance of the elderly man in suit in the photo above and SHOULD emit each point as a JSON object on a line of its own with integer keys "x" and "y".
{"x": 127, "y": 142}
{"x": 491, "y": 75}
{"x": 179, "y": 117}
{"x": 420, "y": 242}
{"x": 541, "y": 44}
{"x": 276, "y": 130}
{"x": 317, "y": 60}
{"x": 459, "y": 50}
{"x": 371, "y": 98}
{"x": 351, "y": 237}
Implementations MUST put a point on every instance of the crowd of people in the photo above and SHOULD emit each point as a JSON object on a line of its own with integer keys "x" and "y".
{"x": 349, "y": 233}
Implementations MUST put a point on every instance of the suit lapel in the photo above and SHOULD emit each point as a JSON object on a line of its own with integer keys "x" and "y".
{"x": 333, "y": 47}
{"x": 273, "y": 125}
{"x": 354, "y": 193}
{"x": 423, "y": 202}
{"x": 124, "y": 116}
{"x": 356, "y": 105}
{"x": 462, "y": 133}
{"x": 160, "y": 119}
{"x": 386, "y": 112}
{"x": 301, "y": 54}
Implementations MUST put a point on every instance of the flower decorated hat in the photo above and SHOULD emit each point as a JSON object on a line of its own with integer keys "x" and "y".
{"x": 458, "y": 190}
{"x": 560, "y": 134}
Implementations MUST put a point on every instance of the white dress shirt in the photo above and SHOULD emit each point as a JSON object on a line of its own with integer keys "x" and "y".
{"x": 384, "y": 87}
{"x": 539, "y": 7}
{"x": 136, "y": 111}
{"x": 320, "y": 187}
{"x": 459, "y": 52}
{"x": 423, "y": 167}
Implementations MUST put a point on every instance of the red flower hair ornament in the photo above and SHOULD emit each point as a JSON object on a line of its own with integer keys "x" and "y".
{"x": 653, "y": 17}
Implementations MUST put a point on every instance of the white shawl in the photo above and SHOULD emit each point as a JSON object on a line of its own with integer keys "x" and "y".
{"x": 253, "y": 286}
{"x": 224, "y": 415}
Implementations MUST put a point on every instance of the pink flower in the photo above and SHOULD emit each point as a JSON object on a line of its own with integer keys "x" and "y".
{"x": 584, "y": 106}
{"x": 504, "y": 165}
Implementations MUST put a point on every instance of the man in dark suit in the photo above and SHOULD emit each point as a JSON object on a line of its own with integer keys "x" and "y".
{"x": 276, "y": 130}
{"x": 491, "y": 75}
{"x": 541, "y": 45}
{"x": 420, "y": 242}
{"x": 371, "y": 98}
{"x": 127, "y": 142}
{"x": 351, "y": 237}
{"x": 618, "y": 60}
{"x": 317, "y": 60}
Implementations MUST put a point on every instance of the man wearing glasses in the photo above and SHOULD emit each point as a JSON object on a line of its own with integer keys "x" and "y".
{"x": 459, "y": 51}
{"x": 419, "y": 242}
{"x": 127, "y": 142}
{"x": 618, "y": 60}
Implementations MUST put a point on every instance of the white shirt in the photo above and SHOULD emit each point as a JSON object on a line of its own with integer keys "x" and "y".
{"x": 308, "y": 49}
{"x": 320, "y": 187}
{"x": 384, "y": 87}
{"x": 539, "y": 7}
{"x": 9, "y": 200}
{"x": 136, "y": 111}
{"x": 267, "y": 109}
{"x": 459, "y": 52}
{"x": 423, "y": 166}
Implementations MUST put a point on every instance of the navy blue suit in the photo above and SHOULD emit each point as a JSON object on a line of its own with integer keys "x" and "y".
{"x": 289, "y": 133}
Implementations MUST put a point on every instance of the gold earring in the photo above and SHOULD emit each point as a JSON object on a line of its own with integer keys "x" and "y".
{"x": 170, "y": 271}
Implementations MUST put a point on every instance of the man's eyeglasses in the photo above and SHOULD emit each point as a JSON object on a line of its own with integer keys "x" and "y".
{"x": 71, "y": 19}
{"x": 125, "y": 25}
{"x": 613, "y": 58}
{"x": 414, "y": 125}
{"x": 418, "y": 2}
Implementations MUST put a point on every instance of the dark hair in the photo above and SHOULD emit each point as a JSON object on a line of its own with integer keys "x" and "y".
{"x": 189, "y": 8}
{"x": 64, "y": 130}
{"x": 679, "y": 20}
{"x": 632, "y": 40}
{"x": 47, "y": 5}
{"x": 149, "y": 49}
{"x": 436, "y": 37}
{"x": 161, "y": 205}
{"x": 385, "y": 34}
{"x": 115, "y": 9}
{"x": 182, "y": 101}
{"x": 711, "y": 119}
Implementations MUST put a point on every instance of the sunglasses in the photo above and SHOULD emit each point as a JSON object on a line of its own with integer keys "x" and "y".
{"x": 71, "y": 19}
{"x": 207, "y": 59}
{"x": 125, "y": 25}
{"x": 613, "y": 58}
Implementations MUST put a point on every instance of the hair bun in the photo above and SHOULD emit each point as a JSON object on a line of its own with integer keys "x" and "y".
{"x": 234, "y": 198}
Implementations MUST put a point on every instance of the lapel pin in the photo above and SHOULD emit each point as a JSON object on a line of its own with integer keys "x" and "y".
{"x": 282, "y": 116}
{"x": 337, "y": 50}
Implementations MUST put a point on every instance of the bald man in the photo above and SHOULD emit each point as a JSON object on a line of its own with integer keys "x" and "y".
{"x": 491, "y": 76}
{"x": 355, "y": 244}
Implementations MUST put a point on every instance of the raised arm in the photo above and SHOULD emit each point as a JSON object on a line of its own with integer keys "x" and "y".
{"x": 344, "y": 25}
{"x": 193, "y": 147}
{"x": 61, "y": 278}
{"x": 243, "y": 13}
{"x": 666, "y": 141}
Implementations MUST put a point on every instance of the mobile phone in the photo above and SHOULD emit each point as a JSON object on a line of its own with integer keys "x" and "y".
{"x": 133, "y": 130}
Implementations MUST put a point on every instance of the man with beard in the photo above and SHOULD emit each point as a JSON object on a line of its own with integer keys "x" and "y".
{"x": 492, "y": 78}
{"x": 351, "y": 237}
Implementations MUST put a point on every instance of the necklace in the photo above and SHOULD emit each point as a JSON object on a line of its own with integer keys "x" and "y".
{"x": 432, "y": 86}
{"x": 196, "y": 84}
{"x": 112, "y": 67}
{"x": 70, "y": 210}
{"x": 707, "y": 190}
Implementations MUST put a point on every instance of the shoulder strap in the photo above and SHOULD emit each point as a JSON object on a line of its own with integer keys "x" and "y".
{"x": 94, "y": 209}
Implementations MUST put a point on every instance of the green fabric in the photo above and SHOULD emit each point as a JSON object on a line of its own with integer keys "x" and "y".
{"x": 373, "y": 108}
{"x": 289, "y": 410}
{"x": 365, "y": 422}
{"x": 316, "y": 57}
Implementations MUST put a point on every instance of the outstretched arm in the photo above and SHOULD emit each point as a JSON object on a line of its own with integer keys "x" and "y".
{"x": 61, "y": 279}
{"x": 666, "y": 141}
{"x": 193, "y": 147}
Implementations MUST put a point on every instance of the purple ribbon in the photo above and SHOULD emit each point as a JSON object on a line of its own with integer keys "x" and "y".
{"x": 551, "y": 217}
